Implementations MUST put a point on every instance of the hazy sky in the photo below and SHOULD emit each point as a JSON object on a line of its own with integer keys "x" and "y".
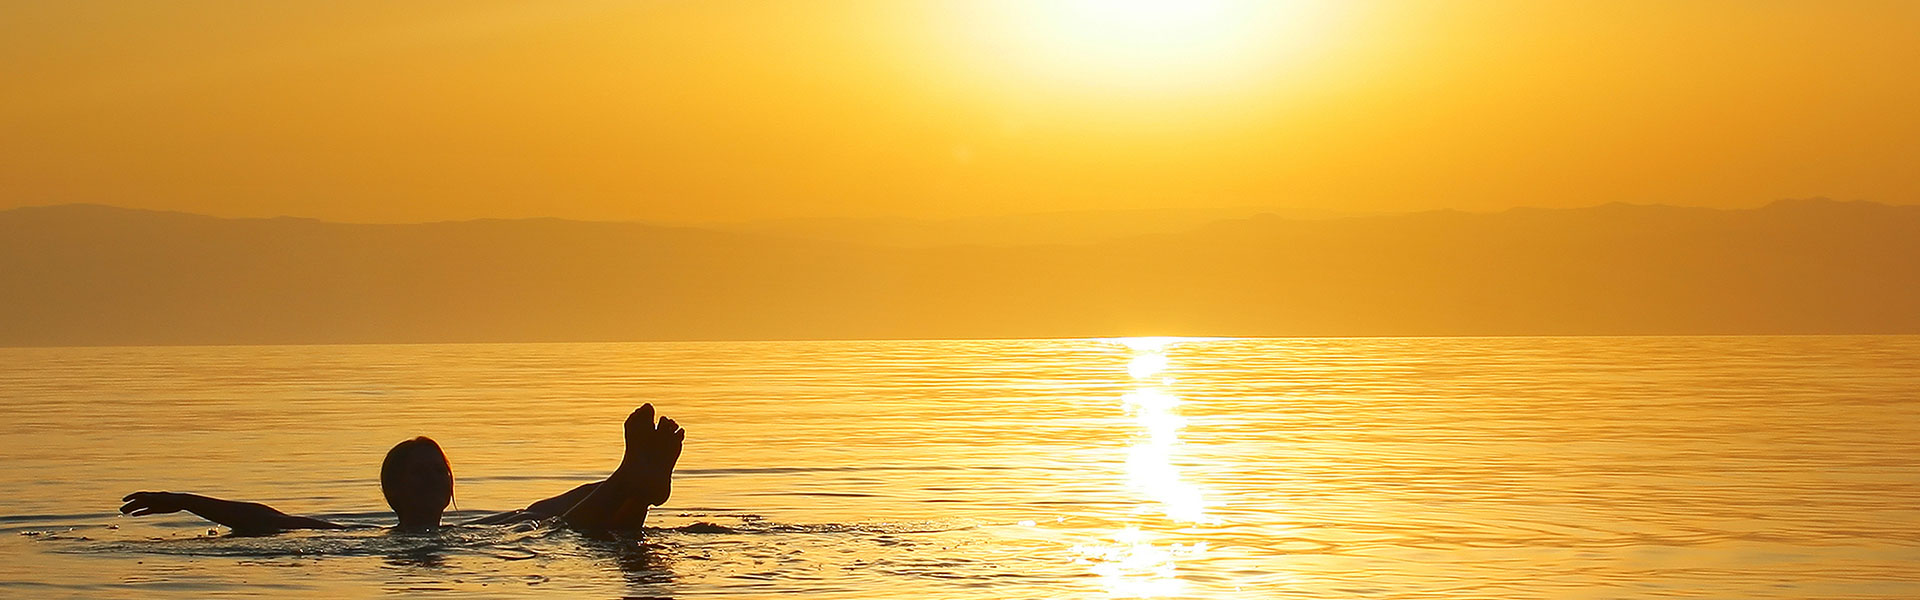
{"x": 721, "y": 110}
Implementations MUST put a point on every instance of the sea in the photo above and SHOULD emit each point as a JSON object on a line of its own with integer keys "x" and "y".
{"x": 1506, "y": 467}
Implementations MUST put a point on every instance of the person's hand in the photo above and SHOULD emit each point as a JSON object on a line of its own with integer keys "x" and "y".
{"x": 153, "y": 503}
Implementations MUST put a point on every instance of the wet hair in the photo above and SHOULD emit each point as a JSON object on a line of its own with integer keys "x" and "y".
{"x": 395, "y": 477}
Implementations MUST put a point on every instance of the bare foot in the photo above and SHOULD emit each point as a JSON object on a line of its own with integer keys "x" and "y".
{"x": 639, "y": 428}
{"x": 668, "y": 439}
{"x": 645, "y": 476}
{"x": 646, "y": 470}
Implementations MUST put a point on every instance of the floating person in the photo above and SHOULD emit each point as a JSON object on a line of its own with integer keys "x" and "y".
{"x": 417, "y": 480}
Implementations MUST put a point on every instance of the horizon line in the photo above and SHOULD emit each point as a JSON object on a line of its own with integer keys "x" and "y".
{"x": 703, "y": 224}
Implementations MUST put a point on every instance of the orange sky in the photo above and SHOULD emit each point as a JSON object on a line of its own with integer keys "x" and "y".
{"x": 722, "y": 110}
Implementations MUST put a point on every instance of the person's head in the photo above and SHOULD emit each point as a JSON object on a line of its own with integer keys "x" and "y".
{"x": 417, "y": 480}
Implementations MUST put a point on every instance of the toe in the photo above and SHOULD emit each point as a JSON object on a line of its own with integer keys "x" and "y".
{"x": 642, "y": 416}
{"x": 667, "y": 425}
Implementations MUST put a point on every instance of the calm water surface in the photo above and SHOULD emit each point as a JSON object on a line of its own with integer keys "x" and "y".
{"x": 1719, "y": 467}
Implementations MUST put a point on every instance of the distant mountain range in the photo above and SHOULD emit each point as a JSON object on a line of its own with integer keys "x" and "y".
{"x": 1066, "y": 227}
{"x": 95, "y": 275}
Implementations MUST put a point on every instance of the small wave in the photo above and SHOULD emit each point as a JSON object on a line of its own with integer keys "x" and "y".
{"x": 756, "y": 527}
{"x": 817, "y": 494}
{"x": 57, "y": 517}
{"x": 506, "y": 543}
{"x": 521, "y": 541}
{"x": 838, "y": 469}
{"x": 704, "y": 527}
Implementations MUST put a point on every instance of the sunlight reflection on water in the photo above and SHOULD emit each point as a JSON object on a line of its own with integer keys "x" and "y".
{"x": 1130, "y": 563}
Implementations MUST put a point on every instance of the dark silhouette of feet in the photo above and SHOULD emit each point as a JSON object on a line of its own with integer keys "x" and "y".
{"x": 653, "y": 448}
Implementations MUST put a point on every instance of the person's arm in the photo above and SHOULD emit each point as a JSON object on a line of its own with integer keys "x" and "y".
{"x": 242, "y": 517}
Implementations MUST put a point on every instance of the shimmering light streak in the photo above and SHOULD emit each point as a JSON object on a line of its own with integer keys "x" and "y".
{"x": 1130, "y": 564}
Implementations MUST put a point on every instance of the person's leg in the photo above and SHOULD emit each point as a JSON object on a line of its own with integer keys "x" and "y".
{"x": 643, "y": 477}
{"x": 558, "y": 505}
{"x": 544, "y": 509}
{"x": 658, "y": 484}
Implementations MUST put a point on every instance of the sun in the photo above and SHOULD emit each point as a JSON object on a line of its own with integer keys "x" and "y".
{"x": 1145, "y": 45}
{"x": 1142, "y": 33}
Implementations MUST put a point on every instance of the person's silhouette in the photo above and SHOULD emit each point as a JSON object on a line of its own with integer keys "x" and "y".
{"x": 417, "y": 480}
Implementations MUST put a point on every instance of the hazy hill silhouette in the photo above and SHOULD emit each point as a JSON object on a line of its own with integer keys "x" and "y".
{"x": 1064, "y": 227}
{"x": 82, "y": 275}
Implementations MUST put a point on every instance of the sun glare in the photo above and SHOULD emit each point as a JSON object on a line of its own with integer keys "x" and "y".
{"x": 1140, "y": 31}
{"x": 1148, "y": 45}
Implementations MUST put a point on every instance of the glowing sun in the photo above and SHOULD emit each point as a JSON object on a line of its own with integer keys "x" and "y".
{"x": 1149, "y": 44}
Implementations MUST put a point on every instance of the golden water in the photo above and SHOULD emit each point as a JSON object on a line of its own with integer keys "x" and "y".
{"x": 1410, "y": 468}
